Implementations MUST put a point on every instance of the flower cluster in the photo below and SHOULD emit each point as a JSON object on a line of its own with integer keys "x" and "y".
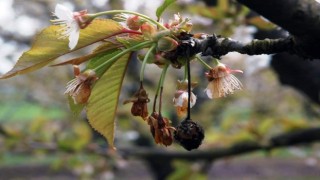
{"x": 164, "y": 44}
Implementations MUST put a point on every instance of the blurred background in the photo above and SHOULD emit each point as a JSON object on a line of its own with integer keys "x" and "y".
{"x": 40, "y": 139}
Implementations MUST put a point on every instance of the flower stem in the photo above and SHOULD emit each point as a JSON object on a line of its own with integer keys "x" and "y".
{"x": 160, "y": 84}
{"x": 198, "y": 56}
{"x": 128, "y": 12}
{"x": 132, "y": 48}
{"x": 216, "y": 62}
{"x": 189, "y": 88}
{"x": 185, "y": 77}
{"x": 163, "y": 75}
{"x": 160, "y": 101}
{"x": 144, "y": 63}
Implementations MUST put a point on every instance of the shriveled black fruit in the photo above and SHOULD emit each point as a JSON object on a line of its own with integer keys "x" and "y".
{"x": 189, "y": 134}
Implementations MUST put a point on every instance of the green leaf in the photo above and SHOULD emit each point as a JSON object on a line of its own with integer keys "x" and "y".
{"x": 163, "y": 7}
{"x": 129, "y": 41}
{"x": 98, "y": 60}
{"x": 94, "y": 62}
{"x": 75, "y": 108}
{"x": 102, "y": 104}
{"x": 96, "y": 52}
{"x": 48, "y": 45}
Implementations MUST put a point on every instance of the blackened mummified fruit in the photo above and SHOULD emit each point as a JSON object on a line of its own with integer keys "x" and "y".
{"x": 189, "y": 134}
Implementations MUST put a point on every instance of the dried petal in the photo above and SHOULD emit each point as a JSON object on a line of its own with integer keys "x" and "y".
{"x": 139, "y": 100}
{"x": 160, "y": 129}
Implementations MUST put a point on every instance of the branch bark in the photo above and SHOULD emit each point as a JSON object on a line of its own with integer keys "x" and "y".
{"x": 301, "y": 18}
{"x": 217, "y": 46}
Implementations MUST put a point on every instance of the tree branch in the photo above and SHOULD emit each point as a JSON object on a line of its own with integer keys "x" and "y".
{"x": 304, "y": 136}
{"x": 220, "y": 46}
{"x": 299, "y": 17}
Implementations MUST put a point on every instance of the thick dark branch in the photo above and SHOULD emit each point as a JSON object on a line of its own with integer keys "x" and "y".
{"x": 221, "y": 46}
{"x": 299, "y": 17}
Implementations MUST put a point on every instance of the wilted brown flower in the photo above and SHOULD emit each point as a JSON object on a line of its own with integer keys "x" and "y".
{"x": 160, "y": 129}
{"x": 189, "y": 134}
{"x": 79, "y": 88}
{"x": 140, "y": 100}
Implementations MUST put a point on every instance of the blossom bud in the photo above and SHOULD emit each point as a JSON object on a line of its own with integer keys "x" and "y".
{"x": 167, "y": 44}
{"x": 148, "y": 30}
{"x": 134, "y": 22}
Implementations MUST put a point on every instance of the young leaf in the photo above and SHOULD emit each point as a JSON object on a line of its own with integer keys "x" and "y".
{"x": 48, "y": 45}
{"x": 102, "y": 104}
{"x": 75, "y": 108}
{"x": 163, "y": 7}
{"x": 96, "y": 61}
{"x": 129, "y": 41}
{"x": 106, "y": 47}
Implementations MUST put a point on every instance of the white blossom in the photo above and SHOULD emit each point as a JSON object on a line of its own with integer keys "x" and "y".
{"x": 222, "y": 82}
{"x": 69, "y": 21}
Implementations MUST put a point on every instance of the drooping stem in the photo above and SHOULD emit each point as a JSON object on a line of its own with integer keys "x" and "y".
{"x": 155, "y": 103}
{"x": 185, "y": 77}
{"x": 189, "y": 88}
{"x": 114, "y": 58}
{"x": 160, "y": 101}
{"x": 216, "y": 62}
{"x": 128, "y": 12}
{"x": 144, "y": 63}
{"x": 160, "y": 84}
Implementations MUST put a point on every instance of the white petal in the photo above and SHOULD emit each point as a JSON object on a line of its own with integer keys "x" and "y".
{"x": 73, "y": 38}
{"x": 179, "y": 101}
{"x": 63, "y": 12}
{"x": 209, "y": 90}
{"x": 193, "y": 100}
{"x": 209, "y": 93}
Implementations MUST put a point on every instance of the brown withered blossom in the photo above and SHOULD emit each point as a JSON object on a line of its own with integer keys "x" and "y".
{"x": 79, "y": 88}
{"x": 140, "y": 100}
{"x": 160, "y": 128}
